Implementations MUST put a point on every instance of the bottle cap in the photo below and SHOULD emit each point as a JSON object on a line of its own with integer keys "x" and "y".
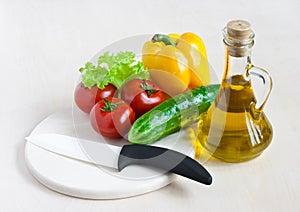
{"x": 239, "y": 38}
{"x": 239, "y": 29}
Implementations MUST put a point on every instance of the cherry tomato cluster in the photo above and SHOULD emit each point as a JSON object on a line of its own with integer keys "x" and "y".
{"x": 111, "y": 116}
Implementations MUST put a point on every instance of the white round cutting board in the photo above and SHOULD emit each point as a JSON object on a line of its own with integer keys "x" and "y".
{"x": 83, "y": 180}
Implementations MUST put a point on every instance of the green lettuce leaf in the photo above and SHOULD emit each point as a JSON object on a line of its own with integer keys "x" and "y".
{"x": 115, "y": 69}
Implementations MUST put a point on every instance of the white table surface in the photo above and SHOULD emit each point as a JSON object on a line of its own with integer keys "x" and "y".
{"x": 43, "y": 43}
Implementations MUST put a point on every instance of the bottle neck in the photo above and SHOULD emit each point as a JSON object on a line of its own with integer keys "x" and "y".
{"x": 236, "y": 64}
{"x": 238, "y": 47}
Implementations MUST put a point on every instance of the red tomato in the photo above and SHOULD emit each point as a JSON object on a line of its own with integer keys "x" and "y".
{"x": 142, "y": 95}
{"x": 112, "y": 117}
{"x": 86, "y": 98}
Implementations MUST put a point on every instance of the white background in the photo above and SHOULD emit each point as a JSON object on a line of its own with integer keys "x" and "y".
{"x": 43, "y": 43}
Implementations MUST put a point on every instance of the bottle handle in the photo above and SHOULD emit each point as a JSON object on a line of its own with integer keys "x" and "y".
{"x": 256, "y": 109}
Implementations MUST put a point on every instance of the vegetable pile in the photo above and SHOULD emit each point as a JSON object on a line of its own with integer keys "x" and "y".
{"x": 123, "y": 98}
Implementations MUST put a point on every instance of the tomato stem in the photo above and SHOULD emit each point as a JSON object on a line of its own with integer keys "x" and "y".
{"x": 148, "y": 88}
{"x": 109, "y": 106}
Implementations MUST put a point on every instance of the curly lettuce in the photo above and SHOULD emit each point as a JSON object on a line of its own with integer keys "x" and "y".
{"x": 112, "y": 69}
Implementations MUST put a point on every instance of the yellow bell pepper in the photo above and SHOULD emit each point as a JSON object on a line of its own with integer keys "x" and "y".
{"x": 176, "y": 61}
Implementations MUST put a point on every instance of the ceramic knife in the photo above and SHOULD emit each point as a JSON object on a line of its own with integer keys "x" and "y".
{"x": 103, "y": 154}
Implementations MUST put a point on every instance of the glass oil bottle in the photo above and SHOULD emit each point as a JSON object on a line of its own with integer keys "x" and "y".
{"x": 235, "y": 128}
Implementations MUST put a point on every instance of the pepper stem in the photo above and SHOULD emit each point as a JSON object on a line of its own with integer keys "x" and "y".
{"x": 163, "y": 38}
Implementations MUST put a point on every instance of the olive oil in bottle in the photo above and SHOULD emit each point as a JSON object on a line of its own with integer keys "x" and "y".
{"x": 235, "y": 129}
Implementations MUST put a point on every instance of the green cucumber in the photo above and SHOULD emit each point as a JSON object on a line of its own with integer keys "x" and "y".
{"x": 169, "y": 116}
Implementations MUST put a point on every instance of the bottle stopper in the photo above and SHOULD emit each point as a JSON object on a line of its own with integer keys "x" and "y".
{"x": 238, "y": 36}
{"x": 239, "y": 29}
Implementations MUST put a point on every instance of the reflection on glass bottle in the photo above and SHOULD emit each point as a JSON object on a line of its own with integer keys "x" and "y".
{"x": 235, "y": 129}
